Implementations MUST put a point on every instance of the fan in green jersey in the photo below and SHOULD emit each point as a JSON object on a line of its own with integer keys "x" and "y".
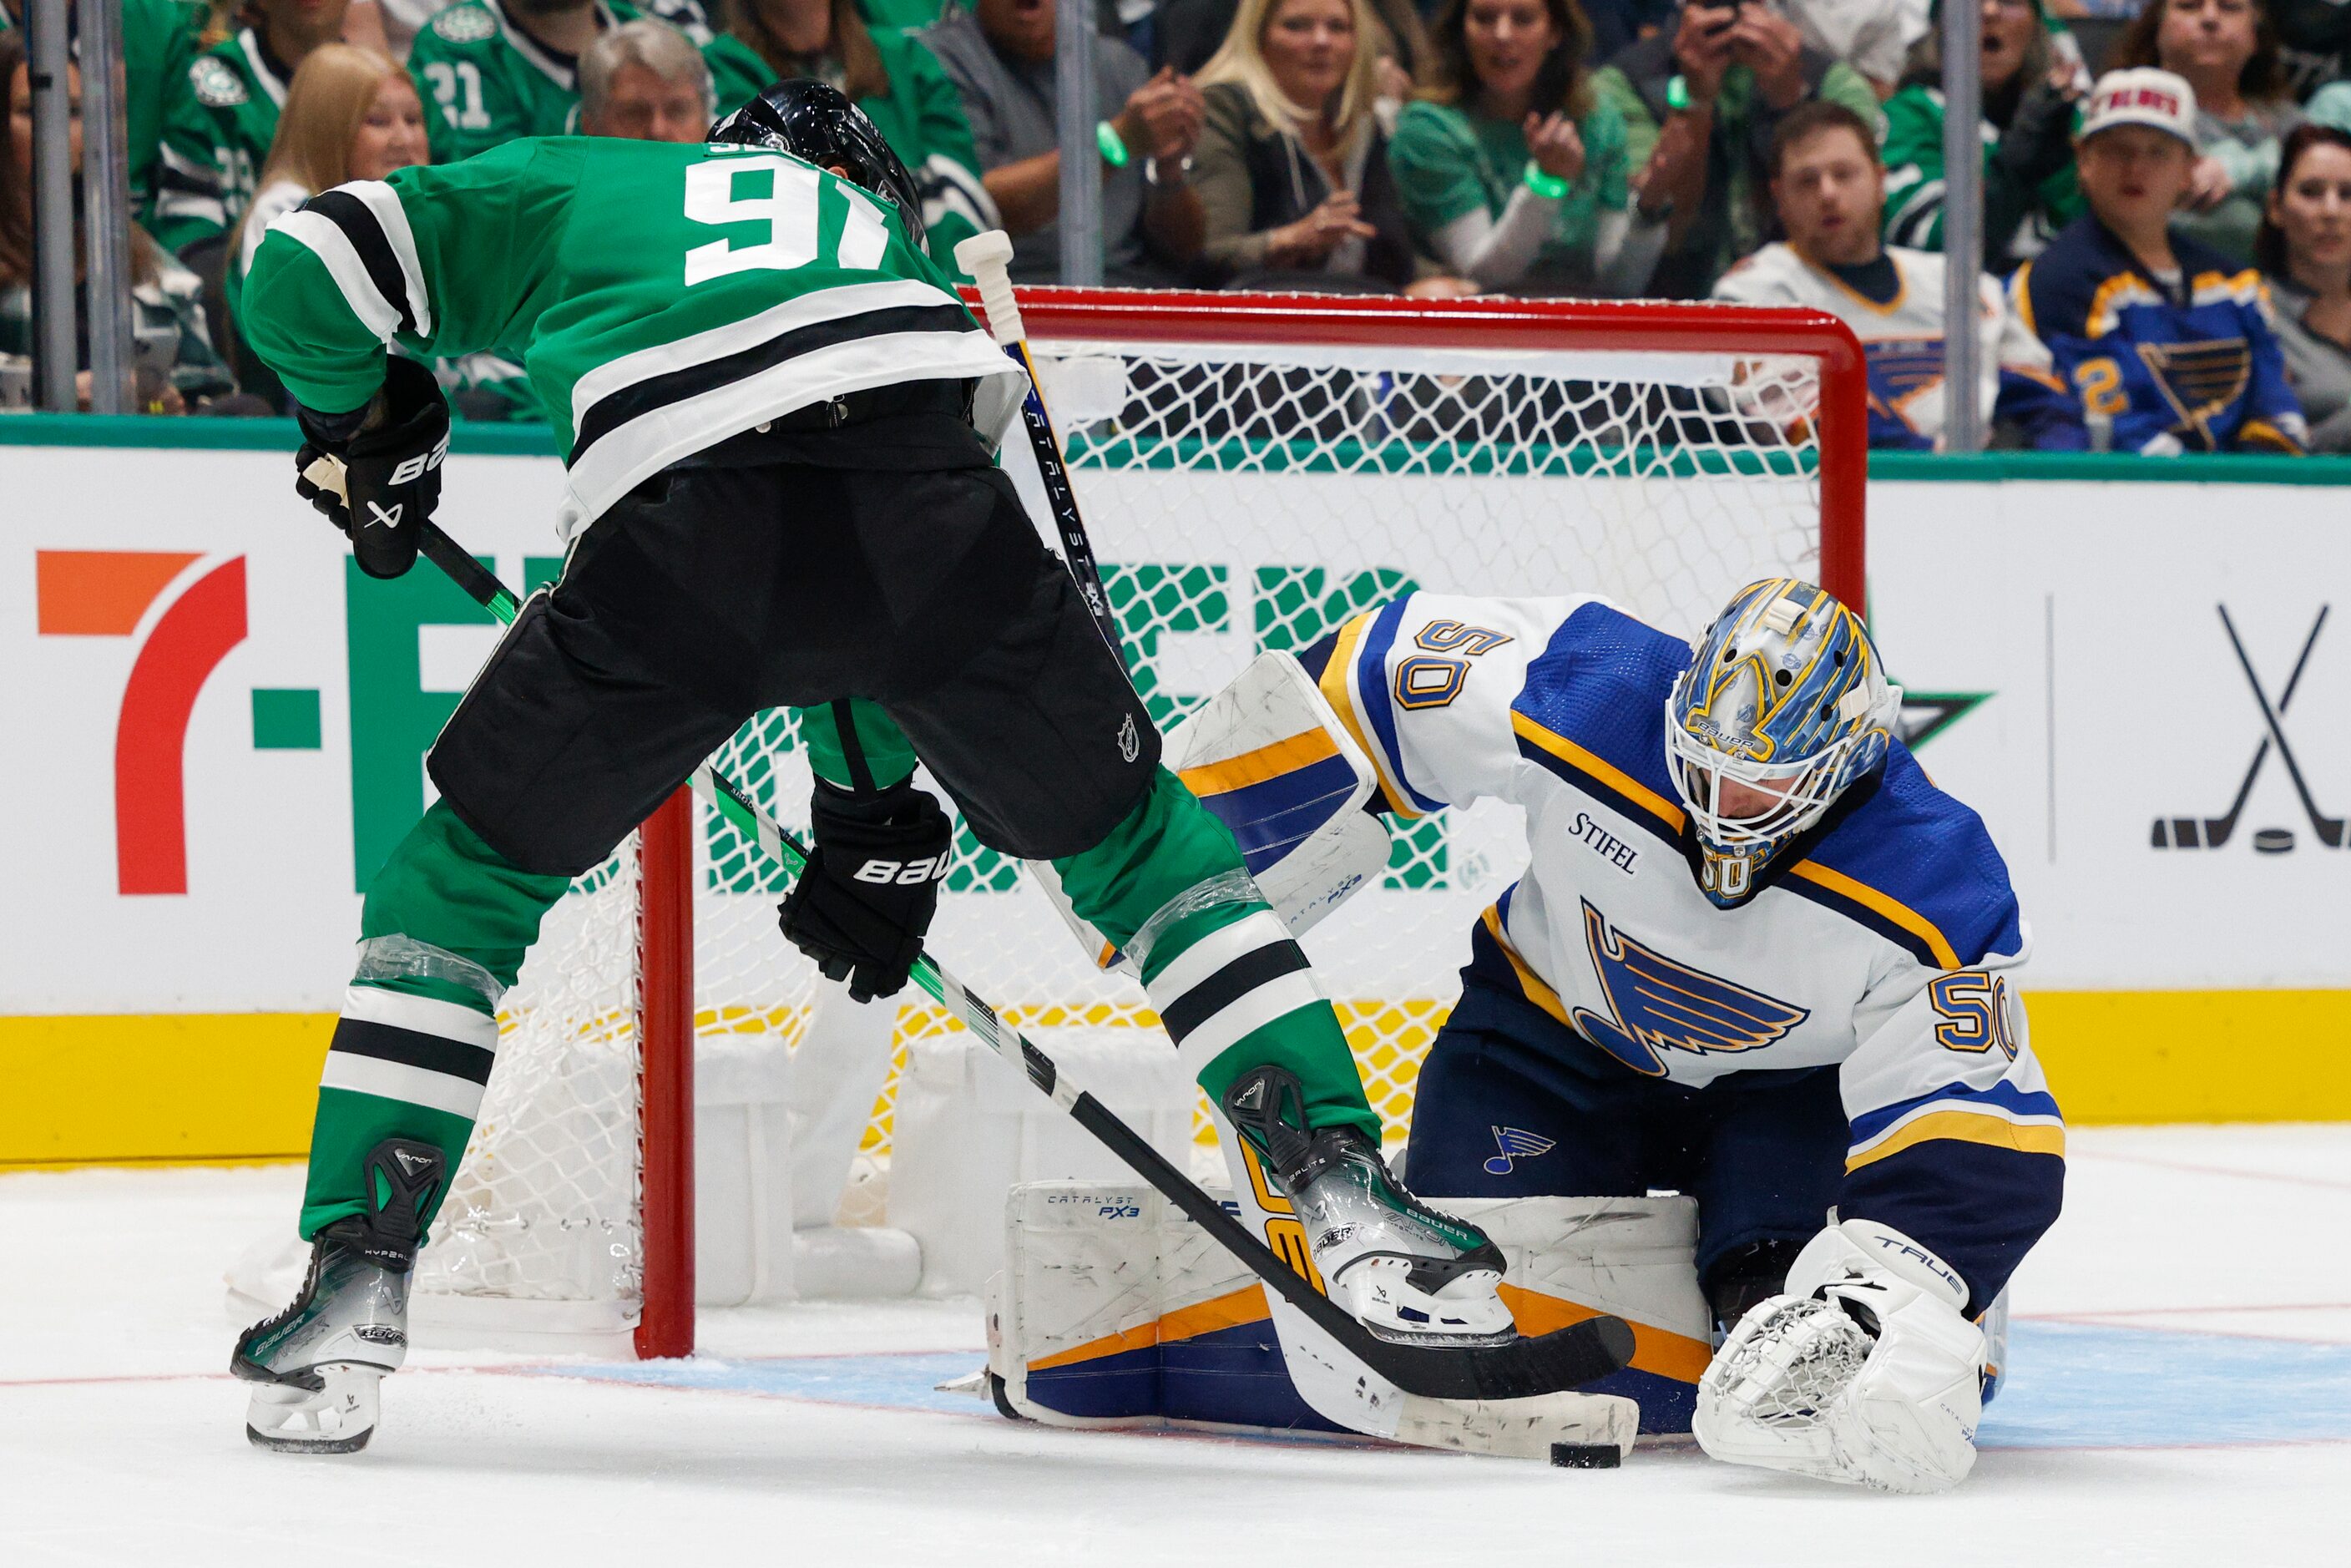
{"x": 777, "y": 421}
{"x": 224, "y": 115}
{"x": 506, "y": 69}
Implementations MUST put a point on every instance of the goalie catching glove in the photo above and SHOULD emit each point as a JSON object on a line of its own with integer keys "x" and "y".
{"x": 1864, "y": 1371}
{"x": 866, "y": 896}
{"x": 375, "y": 473}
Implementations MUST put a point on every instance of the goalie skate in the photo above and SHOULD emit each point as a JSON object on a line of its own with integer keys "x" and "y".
{"x": 1404, "y": 1272}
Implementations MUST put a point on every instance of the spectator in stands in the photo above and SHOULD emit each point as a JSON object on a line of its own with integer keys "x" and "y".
{"x": 1292, "y": 167}
{"x": 1188, "y": 33}
{"x": 2166, "y": 342}
{"x": 1699, "y": 102}
{"x": 1873, "y": 37}
{"x": 2305, "y": 246}
{"x": 1828, "y": 186}
{"x": 502, "y": 68}
{"x": 643, "y": 81}
{"x": 1001, "y": 62}
{"x": 2226, "y": 51}
{"x": 2033, "y": 82}
{"x": 179, "y": 206}
{"x": 174, "y": 362}
{"x": 900, "y": 86}
{"x": 1513, "y": 172}
{"x": 227, "y": 115}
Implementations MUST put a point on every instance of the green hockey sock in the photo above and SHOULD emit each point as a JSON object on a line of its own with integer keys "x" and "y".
{"x": 1168, "y": 886}
{"x": 443, "y": 935}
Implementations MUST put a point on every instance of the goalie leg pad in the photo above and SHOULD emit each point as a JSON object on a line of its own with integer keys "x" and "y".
{"x": 1114, "y": 1309}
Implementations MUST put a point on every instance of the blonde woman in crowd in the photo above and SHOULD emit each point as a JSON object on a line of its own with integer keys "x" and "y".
{"x": 1292, "y": 168}
{"x": 353, "y": 114}
{"x": 1509, "y": 169}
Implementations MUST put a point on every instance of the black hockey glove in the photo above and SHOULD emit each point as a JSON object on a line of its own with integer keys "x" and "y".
{"x": 867, "y": 894}
{"x": 390, "y": 454}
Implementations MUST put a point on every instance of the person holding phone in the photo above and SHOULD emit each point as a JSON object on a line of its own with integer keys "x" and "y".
{"x": 1700, "y": 102}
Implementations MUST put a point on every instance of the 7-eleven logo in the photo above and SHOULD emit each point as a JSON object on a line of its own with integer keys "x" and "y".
{"x": 185, "y": 621}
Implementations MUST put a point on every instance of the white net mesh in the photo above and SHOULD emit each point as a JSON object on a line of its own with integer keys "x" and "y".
{"x": 1241, "y": 498}
{"x": 545, "y": 1205}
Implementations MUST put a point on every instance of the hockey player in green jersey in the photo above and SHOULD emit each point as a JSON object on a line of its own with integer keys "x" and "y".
{"x": 777, "y": 421}
{"x": 500, "y": 69}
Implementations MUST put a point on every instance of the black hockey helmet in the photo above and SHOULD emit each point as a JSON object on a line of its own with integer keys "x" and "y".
{"x": 812, "y": 121}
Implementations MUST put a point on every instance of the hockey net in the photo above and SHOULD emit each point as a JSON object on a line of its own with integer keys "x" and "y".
{"x": 1254, "y": 470}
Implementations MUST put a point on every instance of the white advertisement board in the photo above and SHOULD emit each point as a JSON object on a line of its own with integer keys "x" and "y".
{"x": 215, "y": 727}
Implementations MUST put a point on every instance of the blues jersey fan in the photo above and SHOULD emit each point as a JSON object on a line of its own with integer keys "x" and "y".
{"x": 2166, "y": 342}
{"x": 1830, "y": 188}
{"x": 1757, "y": 957}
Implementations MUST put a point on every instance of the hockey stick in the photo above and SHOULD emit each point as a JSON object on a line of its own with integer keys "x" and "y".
{"x": 986, "y": 257}
{"x": 1524, "y": 1368}
{"x": 2329, "y": 829}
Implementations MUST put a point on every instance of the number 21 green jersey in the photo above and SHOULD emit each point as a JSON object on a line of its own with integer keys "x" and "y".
{"x": 662, "y": 298}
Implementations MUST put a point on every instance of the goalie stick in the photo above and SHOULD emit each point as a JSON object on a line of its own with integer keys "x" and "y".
{"x": 1525, "y": 1368}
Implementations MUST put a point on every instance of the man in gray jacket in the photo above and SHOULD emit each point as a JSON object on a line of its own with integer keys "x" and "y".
{"x": 1001, "y": 61}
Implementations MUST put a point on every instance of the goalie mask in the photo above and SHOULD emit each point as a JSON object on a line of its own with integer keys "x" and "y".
{"x": 815, "y": 124}
{"x": 1785, "y": 707}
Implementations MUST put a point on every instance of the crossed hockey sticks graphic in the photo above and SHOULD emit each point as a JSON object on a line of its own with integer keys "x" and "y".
{"x": 1527, "y": 1367}
{"x": 2182, "y": 833}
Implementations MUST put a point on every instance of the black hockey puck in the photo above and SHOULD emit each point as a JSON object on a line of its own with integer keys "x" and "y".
{"x": 1586, "y": 1456}
{"x": 2273, "y": 841}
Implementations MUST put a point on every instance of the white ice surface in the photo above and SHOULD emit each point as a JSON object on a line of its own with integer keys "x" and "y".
{"x": 122, "y": 1440}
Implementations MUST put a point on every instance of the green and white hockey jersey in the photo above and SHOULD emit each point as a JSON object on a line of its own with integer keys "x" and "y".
{"x": 662, "y": 298}
{"x": 227, "y": 117}
{"x": 922, "y": 118}
{"x": 494, "y": 82}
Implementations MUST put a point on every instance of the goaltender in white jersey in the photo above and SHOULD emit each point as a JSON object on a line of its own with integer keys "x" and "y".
{"x": 1756, "y": 957}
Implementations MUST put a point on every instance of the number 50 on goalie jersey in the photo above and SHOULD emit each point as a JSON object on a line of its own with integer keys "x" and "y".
{"x": 1885, "y": 944}
{"x": 661, "y": 298}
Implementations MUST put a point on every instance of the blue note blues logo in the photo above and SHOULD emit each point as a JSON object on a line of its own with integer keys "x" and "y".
{"x": 1659, "y": 1005}
{"x": 1517, "y": 1144}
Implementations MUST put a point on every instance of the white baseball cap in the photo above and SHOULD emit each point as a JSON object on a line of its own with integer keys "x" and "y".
{"x": 2142, "y": 95}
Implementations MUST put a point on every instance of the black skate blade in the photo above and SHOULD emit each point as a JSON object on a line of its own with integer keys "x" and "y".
{"x": 1527, "y": 1367}
{"x": 261, "y": 1439}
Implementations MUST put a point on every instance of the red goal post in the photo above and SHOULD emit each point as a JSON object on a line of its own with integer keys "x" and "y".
{"x": 1831, "y": 419}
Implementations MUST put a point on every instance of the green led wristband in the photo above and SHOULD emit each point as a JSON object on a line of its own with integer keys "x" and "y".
{"x": 1542, "y": 184}
{"x": 1113, "y": 150}
{"x": 1677, "y": 96}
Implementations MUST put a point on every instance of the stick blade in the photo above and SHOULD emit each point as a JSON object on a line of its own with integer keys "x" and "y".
{"x": 1527, "y": 1367}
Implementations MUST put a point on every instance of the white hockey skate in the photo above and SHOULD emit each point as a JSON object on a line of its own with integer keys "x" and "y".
{"x": 1404, "y": 1272}
{"x": 317, "y": 1367}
